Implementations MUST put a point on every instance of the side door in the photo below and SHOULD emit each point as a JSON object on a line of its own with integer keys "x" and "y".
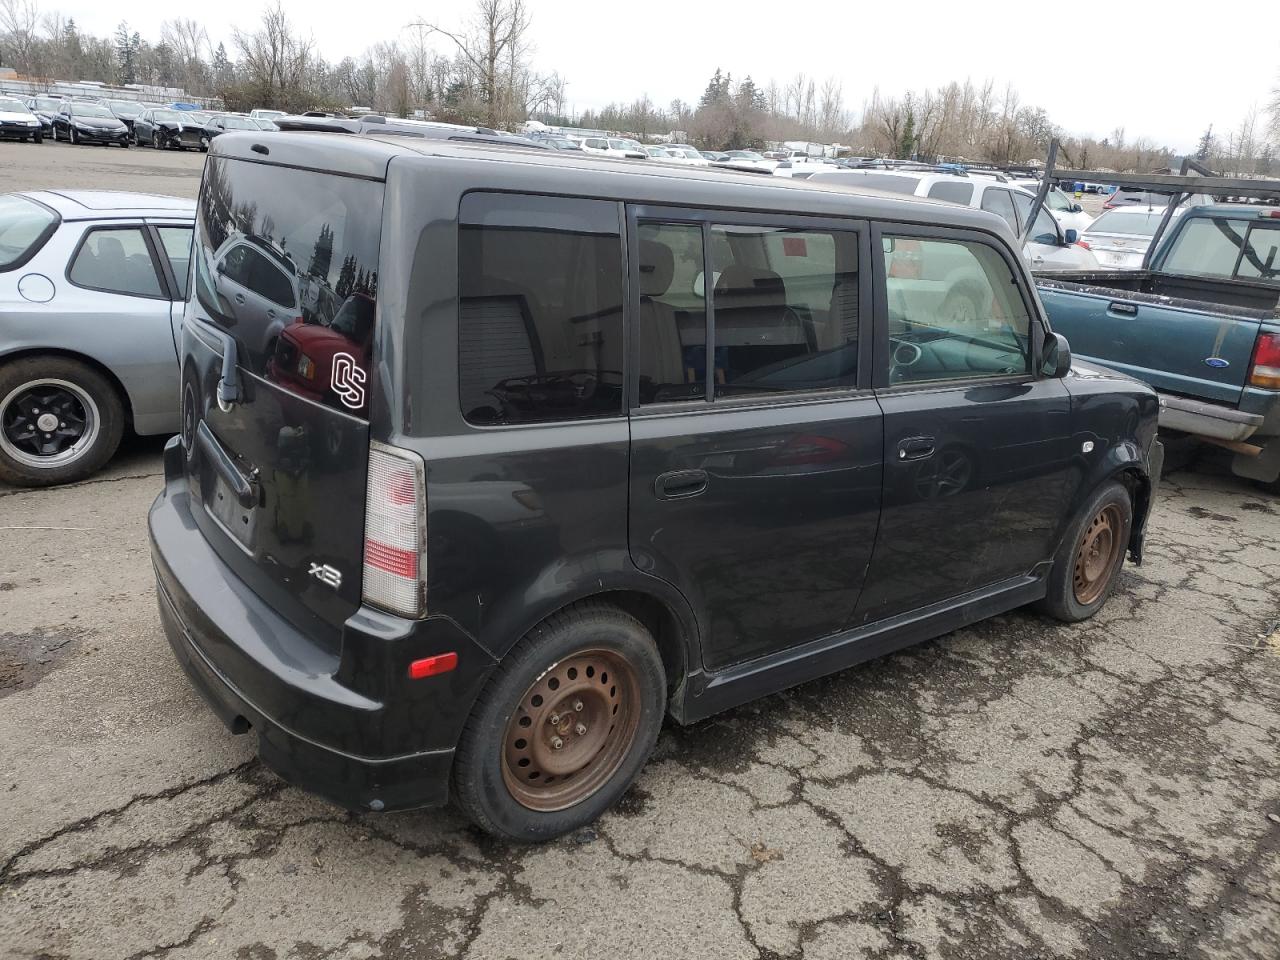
{"x": 1045, "y": 246}
{"x": 756, "y": 443}
{"x": 123, "y": 294}
{"x": 976, "y": 443}
{"x": 173, "y": 240}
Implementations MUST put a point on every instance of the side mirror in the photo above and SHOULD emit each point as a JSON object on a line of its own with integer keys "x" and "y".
{"x": 1077, "y": 208}
{"x": 1055, "y": 356}
{"x": 1070, "y": 236}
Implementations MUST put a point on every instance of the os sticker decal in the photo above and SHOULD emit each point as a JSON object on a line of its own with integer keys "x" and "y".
{"x": 348, "y": 380}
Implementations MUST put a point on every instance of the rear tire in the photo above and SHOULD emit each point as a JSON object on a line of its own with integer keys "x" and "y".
{"x": 85, "y": 429}
{"x": 1091, "y": 556}
{"x": 535, "y": 759}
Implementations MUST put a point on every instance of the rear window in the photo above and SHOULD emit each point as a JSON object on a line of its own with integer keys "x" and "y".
{"x": 1231, "y": 249}
{"x": 1128, "y": 224}
{"x": 893, "y": 184}
{"x": 540, "y": 309}
{"x": 24, "y": 227}
{"x": 953, "y": 191}
{"x": 287, "y": 262}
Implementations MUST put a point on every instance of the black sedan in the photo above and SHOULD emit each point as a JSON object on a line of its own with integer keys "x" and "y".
{"x": 224, "y": 123}
{"x": 126, "y": 111}
{"x": 46, "y": 108}
{"x": 89, "y": 123}
{"x": 162, "y": 128}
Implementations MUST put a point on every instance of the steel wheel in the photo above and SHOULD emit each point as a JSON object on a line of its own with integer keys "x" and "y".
{"x": 1098, "y": 555}
{"x": 571, "y": 730}
{"x": 48, "y": 423}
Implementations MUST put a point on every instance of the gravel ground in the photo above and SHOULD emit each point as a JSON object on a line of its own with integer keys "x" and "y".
{"x": 1016, "y": 789}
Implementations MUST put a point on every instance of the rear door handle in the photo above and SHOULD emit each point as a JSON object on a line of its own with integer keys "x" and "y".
{"x": 1127, "y": 309}
{"x": 916, "y": 448}
{"x": 679, "y": 484}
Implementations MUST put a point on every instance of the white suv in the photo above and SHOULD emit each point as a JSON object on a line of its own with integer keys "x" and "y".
{"x": 1049, "y": 248}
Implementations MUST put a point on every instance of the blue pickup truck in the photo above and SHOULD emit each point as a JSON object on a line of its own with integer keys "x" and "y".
{"x": 1201, "y": 324}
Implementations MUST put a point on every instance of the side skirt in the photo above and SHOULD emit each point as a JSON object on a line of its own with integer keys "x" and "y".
{"x": 706, "y": 694}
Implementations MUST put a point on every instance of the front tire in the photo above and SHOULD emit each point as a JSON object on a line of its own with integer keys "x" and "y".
{"x": 60, "y": 421}
{"x": 1091, "y": 556}
{"x": 75, "y": 137}
{"x": 563, "y": 726}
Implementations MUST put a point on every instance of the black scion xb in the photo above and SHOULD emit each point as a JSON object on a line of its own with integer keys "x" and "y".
{"x": 491, "y": 459}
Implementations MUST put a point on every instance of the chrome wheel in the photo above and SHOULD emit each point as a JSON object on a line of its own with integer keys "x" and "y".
{"x": 571, "y": 730}
{"x": 1098, "y": 555}
{"x": 48, "y": 423}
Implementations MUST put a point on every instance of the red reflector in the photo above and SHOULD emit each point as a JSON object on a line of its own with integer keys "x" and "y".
{"x": 430, "y": 666}
{"x": 401, "y": 563}
{"x": 1083, "y": 243}
{"x": 1265, "y": 369}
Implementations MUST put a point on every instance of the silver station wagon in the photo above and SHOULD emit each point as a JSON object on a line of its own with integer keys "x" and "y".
{"x": 92, "y": 285}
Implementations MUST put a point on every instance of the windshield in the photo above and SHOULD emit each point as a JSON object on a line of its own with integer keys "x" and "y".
{"x": 744, "y": 155}
{"x": 90, "y": 110}
{"x": 239, "y": 123}
{"x": 166, "y": 116}
{"x": 197, "y": 116}
{"x": 1056, "y": 200}
{"x": 618, "y": 144}
{"x": 47, "y": 103}
{"x": 270, "y": 114}
{"x": 124, "y": 108}
{"x": 13, "y": 106}
{"x": 23, "y": 227}
{"x": 1129, "y": 224}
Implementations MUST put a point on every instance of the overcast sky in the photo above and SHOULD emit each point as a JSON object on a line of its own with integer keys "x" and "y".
{"x": 1093, "y": 65}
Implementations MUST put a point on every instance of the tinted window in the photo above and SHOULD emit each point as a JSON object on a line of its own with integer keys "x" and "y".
{"x": 24, "y": 226}
{"x": 954, "y": 312}
{"x": 953, "y": 190}
{"x": 890, "y": 183}
{"x": 279, "y": 253}
{"x": 117, "y": 260}
{"x": 176, "y": 243}
{"x": 784, "y": 311}
{"x": 1129, "y": 224}
{"x": 540, "y": 309}
{"x": 1045, "y": 230}
{"x": 1000, "y": 202}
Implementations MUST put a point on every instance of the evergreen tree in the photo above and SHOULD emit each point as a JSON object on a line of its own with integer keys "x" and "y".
{"x": 717, "y": 91}
{"x": 1205, "y": 149}
{"x": 126, "y": 59}
{"x": 322, "y": 253}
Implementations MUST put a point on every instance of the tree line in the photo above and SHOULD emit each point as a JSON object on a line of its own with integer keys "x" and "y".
{"x": 481, "y": 71}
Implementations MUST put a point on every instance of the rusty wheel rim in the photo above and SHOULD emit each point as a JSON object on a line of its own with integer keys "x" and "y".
{"x": 571, "y": 730}
{"x": 1098, "y": 555}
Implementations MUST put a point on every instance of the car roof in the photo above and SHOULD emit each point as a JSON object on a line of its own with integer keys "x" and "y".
{"x": 111, "y": 204}
{"x": 369, "y": 156}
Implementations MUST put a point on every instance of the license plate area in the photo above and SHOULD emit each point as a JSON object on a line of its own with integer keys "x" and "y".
{"x": 239, "y": 521}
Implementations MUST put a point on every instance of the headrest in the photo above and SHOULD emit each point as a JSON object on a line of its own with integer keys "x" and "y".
{"x": 747, "y": 286}
{"x": 110, "y": 248}
{"x": 657, "y": 268}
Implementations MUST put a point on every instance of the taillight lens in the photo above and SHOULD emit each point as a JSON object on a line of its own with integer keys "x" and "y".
{"x": 1265, "y": 369}
{"x": 1083, "y": 243}
{"x": 395, "y": 531}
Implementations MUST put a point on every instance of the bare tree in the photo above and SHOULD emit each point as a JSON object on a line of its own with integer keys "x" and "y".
{"x": 274, "y": 60}
{"x": 19, "y": 20}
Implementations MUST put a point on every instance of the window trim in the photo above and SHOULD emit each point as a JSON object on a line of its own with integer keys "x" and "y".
{"x": 141, "y": 227}
{"x": 171, "y": 278}
{"x": 1037, "y": 327}
{"x": 41, "y": 239}
{"x": 709, "y": 217}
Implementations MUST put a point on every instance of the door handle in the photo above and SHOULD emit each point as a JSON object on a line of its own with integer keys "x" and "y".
{"x": 916, "y": 448}
{"x": 679, "y": 484}
{"x": 239, "y": 298}
{"x": 1125, "y": 309}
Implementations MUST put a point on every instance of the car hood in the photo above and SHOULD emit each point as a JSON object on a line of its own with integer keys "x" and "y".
{"x": 99, "y": 123}
{"x": 10, "y": 116}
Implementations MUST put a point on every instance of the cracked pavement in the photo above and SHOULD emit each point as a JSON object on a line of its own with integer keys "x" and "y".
{"x": 1019, "y": 788}
{"x": 1016, "y": 789}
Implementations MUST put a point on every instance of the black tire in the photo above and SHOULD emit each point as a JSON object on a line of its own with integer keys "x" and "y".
{"x": 37, "y": 137}
{"x": 106, "y": 415}
{"x": 479, "y": 783}
{"x": 75, "y": 137}
{"x": 155, "y": 140}
{"x": 1062, "y": 601}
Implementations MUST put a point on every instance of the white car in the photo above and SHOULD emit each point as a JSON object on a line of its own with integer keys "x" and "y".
{"x": 749, "y": 160}
{"x": 619, "y": 147}
{"x": 1049, "y": 248}
{"x": 683, "y": 154}
{"x": 1119, "y": 238}
{"x": 17, "y": 120}
{"x": 272, "y": 115}
{"x": 1069, "y": 214}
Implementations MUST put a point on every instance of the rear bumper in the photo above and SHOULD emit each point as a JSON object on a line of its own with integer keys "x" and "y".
{"x": 1203, "y": 419}
{"x": 351, "y": 728}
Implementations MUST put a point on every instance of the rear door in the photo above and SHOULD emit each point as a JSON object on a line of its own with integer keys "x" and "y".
{"x": 755, "y": 439}
{"x": 279, "y": 477}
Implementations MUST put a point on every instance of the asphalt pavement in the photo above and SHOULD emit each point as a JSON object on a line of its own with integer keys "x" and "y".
{"x": 1016, "y": 789}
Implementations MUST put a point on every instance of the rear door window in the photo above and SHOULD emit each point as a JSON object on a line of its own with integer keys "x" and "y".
{"x": 954, "y": 191}
{"x": 116, "y": 260}
{"x": 1000, "y": 202}
{"x": 176, "y": 243}
{"x": 279, "y": 254}
{"x": 540, "y": 309}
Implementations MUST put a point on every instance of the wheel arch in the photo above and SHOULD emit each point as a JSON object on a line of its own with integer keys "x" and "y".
{"x": 32, "y": 353}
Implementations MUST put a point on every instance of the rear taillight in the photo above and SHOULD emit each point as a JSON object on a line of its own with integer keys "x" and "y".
{"x": 395, "y": 531}
{"x": 1083, "y": 243}
{"x": 1265, "y": 369}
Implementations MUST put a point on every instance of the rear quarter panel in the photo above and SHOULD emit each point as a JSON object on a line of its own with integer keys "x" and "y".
{"x": 131, "y": 337}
